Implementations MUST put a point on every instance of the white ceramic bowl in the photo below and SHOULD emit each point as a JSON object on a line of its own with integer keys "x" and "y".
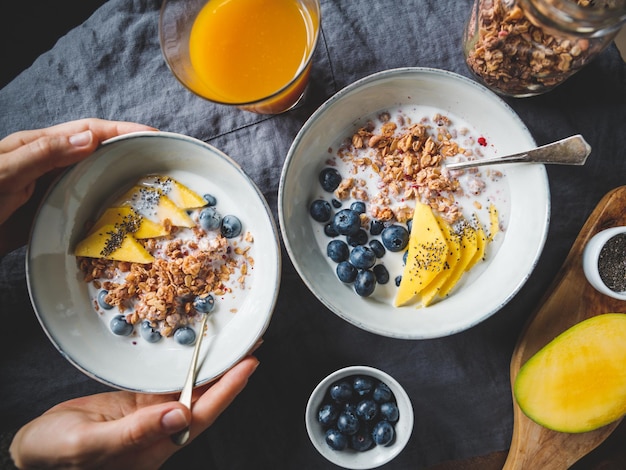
{"x": 591, "y": 256}
{"x": 377, "y": 455}
{"x": 488, "y": 287}
{"x": 60, "y": 296}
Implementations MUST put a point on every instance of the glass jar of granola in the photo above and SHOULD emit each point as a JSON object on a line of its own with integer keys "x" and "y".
{"x": 527, "y": 47}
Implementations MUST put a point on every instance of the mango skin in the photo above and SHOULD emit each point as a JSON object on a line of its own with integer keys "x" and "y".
{"x": 577, "y": 382}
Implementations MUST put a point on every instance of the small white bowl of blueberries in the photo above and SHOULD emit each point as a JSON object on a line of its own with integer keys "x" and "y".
{"x": 359, "y": 417}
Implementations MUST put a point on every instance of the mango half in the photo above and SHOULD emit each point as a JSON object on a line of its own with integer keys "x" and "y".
{"x": 577, "y": 382}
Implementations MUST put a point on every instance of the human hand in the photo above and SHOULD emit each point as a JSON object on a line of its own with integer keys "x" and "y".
{"x": 27, "y": 157}
{"x": 122, "y": 429}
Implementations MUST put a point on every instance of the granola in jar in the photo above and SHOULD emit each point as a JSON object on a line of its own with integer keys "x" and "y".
{"x": 527, "y": 47}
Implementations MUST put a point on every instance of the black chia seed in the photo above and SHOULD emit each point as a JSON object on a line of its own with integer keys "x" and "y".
{"x": 612, "y": 263}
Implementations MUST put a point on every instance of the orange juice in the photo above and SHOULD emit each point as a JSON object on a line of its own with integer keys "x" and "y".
{"x": 243, "y": 51}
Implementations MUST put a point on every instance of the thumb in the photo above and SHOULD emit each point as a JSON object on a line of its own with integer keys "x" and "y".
{"x": 28, "y": 162}
{"x": 145, "y": 426}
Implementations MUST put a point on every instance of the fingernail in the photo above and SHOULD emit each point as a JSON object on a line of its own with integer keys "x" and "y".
{"x": 174, "y": 421}
{"x": 82, "y": 139}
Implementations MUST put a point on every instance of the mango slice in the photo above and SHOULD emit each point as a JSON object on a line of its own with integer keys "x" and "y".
{"x": 154, "y": 205}
{"x": 577, "y": 382}
{"x": 180, "y": 194}
{"x": 426, "y": 257}
{"x": 111, "y": 242}
{"x": 450, "y": 266}
{"x": 494, "y": 223}
{"x": 139, "y": 226}
{"x": 468, "y": 253}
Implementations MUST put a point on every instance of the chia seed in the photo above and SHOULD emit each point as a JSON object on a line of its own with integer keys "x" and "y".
{"x": 612, "y": 263}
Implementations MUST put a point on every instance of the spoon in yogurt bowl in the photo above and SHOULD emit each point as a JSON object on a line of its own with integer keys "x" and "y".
{"x": 185, "y": 395}
{"x": 572, "y": 150}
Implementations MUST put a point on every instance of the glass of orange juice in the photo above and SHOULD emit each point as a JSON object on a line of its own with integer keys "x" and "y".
{"x": 253, "y": 54}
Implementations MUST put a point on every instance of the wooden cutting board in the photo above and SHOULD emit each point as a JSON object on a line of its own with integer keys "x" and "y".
{"x": 570, "y": 300}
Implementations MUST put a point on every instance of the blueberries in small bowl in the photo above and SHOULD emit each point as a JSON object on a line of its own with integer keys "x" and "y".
{"x": 357, "y": 412}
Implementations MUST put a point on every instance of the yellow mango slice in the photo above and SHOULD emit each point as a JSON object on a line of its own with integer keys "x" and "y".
{"x": 426, "y": 257}
{"x": 481, "y": 240}
{"x": 494, "y": 223}
{"x": 111, "y": 242}
{"x": 577, "y": 382}
{"x": 156, "y": 206}
{"x": 468, "y": 252}
{"x": 139, "y": 226}
{"x": 453, "y": 257}
{"x": 180, "y": 194}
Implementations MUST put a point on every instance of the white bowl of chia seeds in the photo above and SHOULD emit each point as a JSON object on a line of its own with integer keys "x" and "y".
{"x": 357, "y": 170}
{"x": 132, "y": 325}
{"x": 604, "y": 262}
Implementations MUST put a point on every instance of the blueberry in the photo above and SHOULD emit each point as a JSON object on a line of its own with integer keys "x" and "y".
{"x": 347, "y": 423}
{"x": 337, "y": 250}
{"x": 231, "y": 226}
{"x": 405, "y": 256}
{"x": 376, "y": 227}
{"x": 120, "y": 326}
{"x": 382, "y": 393}
{"x": 210, "y": 199}
{"x": 389, "y": 412}
{"x": 383, "y": 433}
{"x": 336, "y": 440}
{"x": 148, "y": 333}
{"x": 329, "y": 179}
{"x": 365, "y": 283}
{"x": 185, "y": 335}
{"x": 362, "y": 385}
{"x": 378, "y": 248}
{"x": 362, "y": 440}
{"x": 367, "y": 410}
{"x": 101, "y": 300}
{"x": 381, "y": 273}
{"x": 359, "y": 238}
{"x": 320, "y": 210}
{"x": 327, "y": 414}
{"x": 362, "y": 257}
{"x": 346, "y": 272}
{"x": 204, "y": 303}
{"x": 341, "y": 391}
{"x": 398, "y": 280}
{"x": 358, "y": 206}
{"x": 409, "y": 225}
{"x": 209, "y": 219}
{"x": 395, "y": 237}
{"x": 330, "y": 230}
{"x": 336, "y": 203}
{"x": 347, "y": 222}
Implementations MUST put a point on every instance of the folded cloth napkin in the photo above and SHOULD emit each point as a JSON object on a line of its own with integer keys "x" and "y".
{"x": 111, "y": 67}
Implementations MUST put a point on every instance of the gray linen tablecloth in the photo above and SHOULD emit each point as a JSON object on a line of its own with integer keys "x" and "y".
{"x": 111, "y": 67}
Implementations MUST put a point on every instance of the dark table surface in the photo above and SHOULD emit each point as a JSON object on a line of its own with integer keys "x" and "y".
{"x": 108, "y": 65}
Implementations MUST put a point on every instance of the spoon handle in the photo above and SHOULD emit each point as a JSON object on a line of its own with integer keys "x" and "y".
{"x": 572, "y": 150}
{"x": 185, "y": 395}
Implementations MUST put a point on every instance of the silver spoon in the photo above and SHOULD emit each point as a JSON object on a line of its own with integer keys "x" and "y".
{"x": 572, "y": 150}
{"x": 185, "y": 395}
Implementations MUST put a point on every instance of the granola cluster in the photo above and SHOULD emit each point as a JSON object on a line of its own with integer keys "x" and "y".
{"x": 163, "y": 292}
{"x": 516, "y": 57}
{"x": 407, "y": 158}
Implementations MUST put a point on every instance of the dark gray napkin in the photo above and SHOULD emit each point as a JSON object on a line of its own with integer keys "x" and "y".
{"x": 111, "y": 67}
